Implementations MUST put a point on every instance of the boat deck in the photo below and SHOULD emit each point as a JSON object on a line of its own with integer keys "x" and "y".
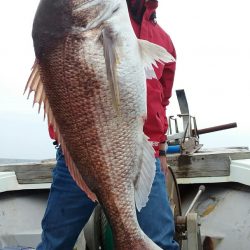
{"x": 206, "y": 163}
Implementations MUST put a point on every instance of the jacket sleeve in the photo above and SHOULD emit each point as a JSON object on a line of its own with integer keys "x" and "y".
{"x": 167, "y": 81}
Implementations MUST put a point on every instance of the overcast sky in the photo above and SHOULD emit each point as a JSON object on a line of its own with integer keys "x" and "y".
{"x": 212, "y": 40}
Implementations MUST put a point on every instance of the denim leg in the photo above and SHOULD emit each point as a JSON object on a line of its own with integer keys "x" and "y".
{"x": 67, "y": 212}
{"x": 156, "y": 219}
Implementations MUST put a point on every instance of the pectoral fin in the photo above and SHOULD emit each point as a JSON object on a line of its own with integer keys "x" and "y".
{"x": 111, "y": 60}
{"x": 152, "y": 53}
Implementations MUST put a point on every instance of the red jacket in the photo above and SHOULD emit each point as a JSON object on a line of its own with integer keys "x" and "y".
{"x": 158, "y": 90}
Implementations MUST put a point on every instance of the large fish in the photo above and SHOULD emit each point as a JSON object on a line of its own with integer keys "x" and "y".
{"x": 90, "y": 73}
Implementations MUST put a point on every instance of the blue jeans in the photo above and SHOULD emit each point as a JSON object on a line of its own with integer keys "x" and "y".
{"x": 69, "y": 209}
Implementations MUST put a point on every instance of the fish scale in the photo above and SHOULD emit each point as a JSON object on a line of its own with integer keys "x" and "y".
{"x": 90, "y": 73}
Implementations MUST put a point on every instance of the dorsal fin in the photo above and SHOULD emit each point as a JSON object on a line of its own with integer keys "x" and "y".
{"x": 35, "y": 84}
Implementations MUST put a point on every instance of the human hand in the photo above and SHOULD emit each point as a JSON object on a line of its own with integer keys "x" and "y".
{"x": 164, "y": 164}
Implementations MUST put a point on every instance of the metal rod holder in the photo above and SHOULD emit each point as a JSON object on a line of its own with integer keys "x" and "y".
{"x": 200, "y": 191}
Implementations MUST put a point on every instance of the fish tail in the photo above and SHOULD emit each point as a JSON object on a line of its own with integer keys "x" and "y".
{"x": 144, "y": 243}
{"x": 148, "y": 244}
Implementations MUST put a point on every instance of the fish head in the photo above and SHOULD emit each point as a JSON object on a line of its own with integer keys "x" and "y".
{"x": 88, "y": 14}
{"x": 52, "y": 22}
{"x": 55, "y": 19}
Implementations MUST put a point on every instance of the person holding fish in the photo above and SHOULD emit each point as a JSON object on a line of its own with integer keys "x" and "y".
{"x": 110, "y": 123}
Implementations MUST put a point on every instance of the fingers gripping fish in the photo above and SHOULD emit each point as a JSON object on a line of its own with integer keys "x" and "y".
{"x": 90, "y": 74}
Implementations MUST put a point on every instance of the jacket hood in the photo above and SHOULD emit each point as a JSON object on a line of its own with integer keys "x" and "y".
{"x": 137, "y": 9}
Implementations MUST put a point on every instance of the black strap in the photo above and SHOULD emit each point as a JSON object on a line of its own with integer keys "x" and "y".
{"x": 162, "y": 153}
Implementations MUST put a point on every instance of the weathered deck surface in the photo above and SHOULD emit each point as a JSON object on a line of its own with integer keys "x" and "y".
{"x": 31, "y": 173}
{"x": 205, "y": 163}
